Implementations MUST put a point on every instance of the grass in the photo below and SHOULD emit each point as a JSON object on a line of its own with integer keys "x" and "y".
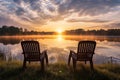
{"x": 58, "y": 71}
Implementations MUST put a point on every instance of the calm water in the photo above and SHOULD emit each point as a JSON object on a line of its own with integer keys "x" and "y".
{"x": 58, "y": 47}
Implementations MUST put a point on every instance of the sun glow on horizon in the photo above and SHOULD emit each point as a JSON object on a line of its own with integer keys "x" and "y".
{"x": 59, "y": 31}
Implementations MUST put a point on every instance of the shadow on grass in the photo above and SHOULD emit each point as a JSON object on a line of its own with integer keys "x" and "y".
{"x": 57, "y": 71}
{"x": 84, "y": 72}
{"x": 7, "y": 74}
{"x": 28, "y": 74}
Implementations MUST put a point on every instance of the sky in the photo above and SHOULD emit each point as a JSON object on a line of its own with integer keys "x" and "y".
{"x": 54, "y": 15}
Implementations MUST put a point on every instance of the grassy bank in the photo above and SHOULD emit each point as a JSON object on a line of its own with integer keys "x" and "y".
{"x": 58, "y": 71}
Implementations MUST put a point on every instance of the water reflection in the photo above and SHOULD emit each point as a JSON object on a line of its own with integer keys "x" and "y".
{"x": 58, "y": 46}
{"x": 59, "y": 37}
{"x": 6, "y": 41}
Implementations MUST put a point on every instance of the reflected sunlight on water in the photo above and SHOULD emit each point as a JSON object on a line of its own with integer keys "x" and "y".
{"x": 59, "y": 46}
{"x": 59, "y": 37}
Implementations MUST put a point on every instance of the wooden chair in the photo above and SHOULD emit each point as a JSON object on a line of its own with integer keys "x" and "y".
{"x": 84, "y": 53}
{"x": 31, "y": 52}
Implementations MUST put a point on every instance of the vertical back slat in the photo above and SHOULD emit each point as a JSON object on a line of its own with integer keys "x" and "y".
{"x": 31, "y": 49}
{"x": 86, "y": 47}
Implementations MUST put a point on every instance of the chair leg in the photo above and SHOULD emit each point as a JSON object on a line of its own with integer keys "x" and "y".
{"x": 46, "y": 58}
{"x": 29, "y": 62}
{"x": 42, "y": 65}
{"x": 91, "y": 65}
{"x": 24, "y": 64}
{"x": 85, "y": 62}
{"x": 74, "y": 64}
{"x": 69, "y": 59}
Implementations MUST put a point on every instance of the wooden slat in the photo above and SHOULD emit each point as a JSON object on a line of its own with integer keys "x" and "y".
{"x": 86, "y": 49}
{"x": 31, "y": 50}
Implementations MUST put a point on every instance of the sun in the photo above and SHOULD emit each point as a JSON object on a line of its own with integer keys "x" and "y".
{"x": 59, "y": 31}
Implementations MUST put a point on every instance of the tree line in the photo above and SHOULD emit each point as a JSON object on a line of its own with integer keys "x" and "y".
{"x": 112, "y": 32}
{"x": 12, "y": 30}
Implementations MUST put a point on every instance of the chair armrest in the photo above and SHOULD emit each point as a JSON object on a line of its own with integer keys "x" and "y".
{"x": 71, "y": 51}
{"x": 43, "y": 54}
{"x": 73, "y": 54}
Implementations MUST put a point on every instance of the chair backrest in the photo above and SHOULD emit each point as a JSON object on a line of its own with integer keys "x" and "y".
{"x": 31, "y": 48}
{"x": 87, "y": 47}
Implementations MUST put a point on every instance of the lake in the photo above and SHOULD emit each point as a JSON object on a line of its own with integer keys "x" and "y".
{"x": 58, "y": 46}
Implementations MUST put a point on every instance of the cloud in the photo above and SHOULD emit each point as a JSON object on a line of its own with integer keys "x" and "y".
{"x": 89, "y": 7}
{"x": 8, "y": 21}
{"x": 20, "y": 11}
{"x": 115, "y": 25}
{"x": 90, "y": 20}
{"x": 33, "y": 12}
